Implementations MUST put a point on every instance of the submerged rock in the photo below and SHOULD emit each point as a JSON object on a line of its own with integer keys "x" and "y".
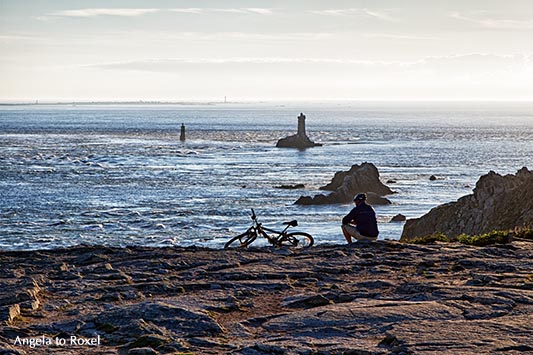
{"x": 346, "y": 184}
{"x": 398, "y": 218}
{"x": 291, "y": 187}
{"x": 498, "y": 203}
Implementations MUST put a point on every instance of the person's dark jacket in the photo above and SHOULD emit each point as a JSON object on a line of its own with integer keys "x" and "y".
{"x": 364, "y": 217}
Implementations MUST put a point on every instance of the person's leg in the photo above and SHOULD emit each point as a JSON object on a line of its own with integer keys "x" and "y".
{"x": 347, "y": 235}
{"x": 350, "y": 232}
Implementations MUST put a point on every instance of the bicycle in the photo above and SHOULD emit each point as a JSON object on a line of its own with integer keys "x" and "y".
{"x": 293, "y": 239}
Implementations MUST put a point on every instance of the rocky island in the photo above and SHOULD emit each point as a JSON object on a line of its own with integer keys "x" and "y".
{"x": 382, "y": 297}
{"x": 299, "y": 140}
{"x": 346, "y": 184}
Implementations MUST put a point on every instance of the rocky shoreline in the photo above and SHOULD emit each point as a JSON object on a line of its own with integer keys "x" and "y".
{"x": 497, "y": 203}
{"x": 380, "y": 297}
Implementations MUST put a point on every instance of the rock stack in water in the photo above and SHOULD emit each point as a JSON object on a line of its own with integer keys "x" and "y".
{"x": 346, "y": 184}
{"x": 299, "y": 140}
{"x": 498, "y": 203}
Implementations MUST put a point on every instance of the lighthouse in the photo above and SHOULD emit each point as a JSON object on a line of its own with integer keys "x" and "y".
{"x": 182, "y": 134}
{"x": 301, "y": 125}
{"x": 298, "y": 140}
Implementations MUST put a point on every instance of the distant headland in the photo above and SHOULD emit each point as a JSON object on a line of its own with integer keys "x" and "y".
{"x": 85, "y": 103}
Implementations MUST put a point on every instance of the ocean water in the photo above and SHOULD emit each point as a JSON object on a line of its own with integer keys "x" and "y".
{"x": 118, "y": 175}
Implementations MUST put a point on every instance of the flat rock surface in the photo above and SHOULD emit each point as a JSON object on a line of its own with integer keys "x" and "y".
{"x": 380, "y": 297}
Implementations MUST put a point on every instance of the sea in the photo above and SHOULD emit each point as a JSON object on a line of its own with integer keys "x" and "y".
{"x": 118, "y": 174}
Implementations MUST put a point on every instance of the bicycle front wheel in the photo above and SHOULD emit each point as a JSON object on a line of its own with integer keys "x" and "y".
{"x": 297, "y": 240}
{"x": 241, "y": 241}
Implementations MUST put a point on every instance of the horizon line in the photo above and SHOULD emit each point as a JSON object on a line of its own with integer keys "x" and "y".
{"x": 49, "y": 102}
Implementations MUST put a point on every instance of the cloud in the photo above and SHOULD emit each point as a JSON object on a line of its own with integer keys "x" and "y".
{"x": 495, "y": 23}
{"x": 294, "y": 36}
{"x": 169, "y": 36}
{"x": 474, "y": 62}
{"x": 401, "y": 36}
{"x": 335, "y": 12}
{"x": 103, "y": 12}
{"x": 240, "y": 65}
{"x": 468, "y": 70}
{"x": 17, "y": 37}
{"x": 190, "y": 10}
{"x": 355, "y": 12}
{"x": 132, "y": 12}
{"x": 245, "y": 11}
{"x": 379, "y": 15}
{"x": 163, "y": 65}
{"x": 480, "y": 71}
{"x": 259, "y": 11}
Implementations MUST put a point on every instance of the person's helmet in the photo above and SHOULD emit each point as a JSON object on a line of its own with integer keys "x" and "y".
{"x": 360, "y": 197}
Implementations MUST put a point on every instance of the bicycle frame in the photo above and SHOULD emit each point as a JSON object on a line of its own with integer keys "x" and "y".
{"x": 272, "y": 239}
{"x": 260, "y": 230}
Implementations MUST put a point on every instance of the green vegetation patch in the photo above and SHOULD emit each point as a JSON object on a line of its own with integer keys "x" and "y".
{"x": 494, "y": 237}
{"x": 524, "y": 233}
{"x": 481, "y": 240}
{"x": 429, "y": 239}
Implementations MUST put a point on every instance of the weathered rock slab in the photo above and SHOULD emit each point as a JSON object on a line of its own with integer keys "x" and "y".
{"x": 367, "y": 298}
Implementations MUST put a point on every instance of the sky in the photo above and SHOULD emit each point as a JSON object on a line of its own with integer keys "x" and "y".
{"x": 411, "y": 50}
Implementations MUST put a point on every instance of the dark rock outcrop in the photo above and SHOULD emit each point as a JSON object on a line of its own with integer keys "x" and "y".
{"x": 296, "y": 141}
{"x": 375, "y": 199}
{"x": 346, "y": 184}
{"x": 498, "y": 203}
{"x": 398, "y": 218}
{"x": 291, "y": 187}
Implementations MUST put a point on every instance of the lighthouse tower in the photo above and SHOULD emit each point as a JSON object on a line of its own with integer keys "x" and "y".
{"x": 182, "y": 134}
{"x": 301, "y": 125}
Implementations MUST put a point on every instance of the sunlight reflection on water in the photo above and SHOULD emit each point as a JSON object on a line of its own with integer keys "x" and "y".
{"x": 122, "y": 177}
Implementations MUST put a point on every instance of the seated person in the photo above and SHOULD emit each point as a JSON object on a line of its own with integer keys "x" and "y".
{"x": 361, "y": 222}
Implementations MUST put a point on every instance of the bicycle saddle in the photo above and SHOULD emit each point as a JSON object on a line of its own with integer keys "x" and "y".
{"x": 292, "y": 223}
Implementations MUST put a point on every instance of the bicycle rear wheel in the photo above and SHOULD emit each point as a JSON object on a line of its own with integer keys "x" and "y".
{"x": 297, "y": 240}
{"x": 241, "y": 241}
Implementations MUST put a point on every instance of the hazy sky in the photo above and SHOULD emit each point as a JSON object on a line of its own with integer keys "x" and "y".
{"x": 248, "y": 50}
